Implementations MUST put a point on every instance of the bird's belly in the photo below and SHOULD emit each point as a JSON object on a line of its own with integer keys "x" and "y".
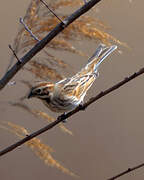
{"x": 57, "y": 106}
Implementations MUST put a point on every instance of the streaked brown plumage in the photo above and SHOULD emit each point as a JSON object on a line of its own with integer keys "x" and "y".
{"x": 68, "y": 93}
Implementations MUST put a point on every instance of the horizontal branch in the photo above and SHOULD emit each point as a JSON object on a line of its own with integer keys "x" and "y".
{"x": 69, "y": 114}
{"x": 41, "y": 44}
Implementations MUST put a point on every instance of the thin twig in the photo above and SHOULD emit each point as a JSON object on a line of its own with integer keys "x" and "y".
{"x": 69, "y": 114}
{"x": 126, "y": 171}
{"x": 41, "y": 44}
{"x": 33, "y": 35}
{"x": 52, "y": 12}
{"x": 14, "y": 53}
{"x": 27, "y": 29}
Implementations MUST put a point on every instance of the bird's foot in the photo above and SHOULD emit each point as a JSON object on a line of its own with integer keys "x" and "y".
{"x": 82, "y": 107}
{"x": 62, "y": 117}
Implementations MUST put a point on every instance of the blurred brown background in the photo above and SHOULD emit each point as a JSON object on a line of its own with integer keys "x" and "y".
{"x": 108, "y": 136}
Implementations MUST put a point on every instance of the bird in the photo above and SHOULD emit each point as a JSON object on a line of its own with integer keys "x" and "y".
{"x": 68, "y": 93}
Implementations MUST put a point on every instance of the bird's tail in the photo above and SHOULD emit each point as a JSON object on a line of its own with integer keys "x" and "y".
{"x": 98, "y": 57}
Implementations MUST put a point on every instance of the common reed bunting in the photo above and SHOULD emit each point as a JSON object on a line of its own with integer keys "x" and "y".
{"x": 69, "y": 93}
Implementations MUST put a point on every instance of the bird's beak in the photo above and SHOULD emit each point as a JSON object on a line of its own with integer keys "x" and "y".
{"x": 30, "y": 95}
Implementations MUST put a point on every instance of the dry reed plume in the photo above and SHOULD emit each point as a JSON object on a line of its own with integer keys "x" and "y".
{"x": 42, "y": 150}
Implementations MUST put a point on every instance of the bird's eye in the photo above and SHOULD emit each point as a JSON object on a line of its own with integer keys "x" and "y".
{"x": 38, "y": 91}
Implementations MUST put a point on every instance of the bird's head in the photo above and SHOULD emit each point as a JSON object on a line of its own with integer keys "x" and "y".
{"x": 42, "y": 90}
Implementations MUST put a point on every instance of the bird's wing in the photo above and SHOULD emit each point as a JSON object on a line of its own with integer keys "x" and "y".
{"x": 76, "y": 87}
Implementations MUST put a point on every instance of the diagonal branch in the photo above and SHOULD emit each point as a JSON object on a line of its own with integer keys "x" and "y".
{"x": 126, "y": 171}
{"x": 41, "y": 44}
{"x": 69, "y": 114}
